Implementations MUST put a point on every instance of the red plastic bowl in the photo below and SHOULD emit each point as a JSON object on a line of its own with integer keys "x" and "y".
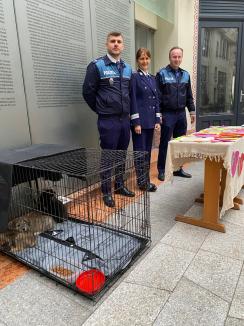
{"x": 90, "y": 281}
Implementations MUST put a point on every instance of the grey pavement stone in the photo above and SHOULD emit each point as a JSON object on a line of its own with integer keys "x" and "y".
{"x": 186, "y": 236}
{"x": 215, "y": 273}
{"x": 61, "y": 289}
{"x": 2, "y": 323}
{"x": 129, "y": 304}
{"x": 237, "y": 306}
{"x": 191, "y": 305}
{"x": 162, "y": 268}
{"x": 229, "y": 244}
{"x": 196, "y": 210}
{"x": 29, "y": 302}
{"x": 234, "y": 217}
{"x": 160, "y": 228}
{"x": 234, "y": 322}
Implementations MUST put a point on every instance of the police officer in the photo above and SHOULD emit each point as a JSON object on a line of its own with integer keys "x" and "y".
{"x": 106, "y": 91}
{"x": 145, "y": 115}
{"x": 175, "y": 94}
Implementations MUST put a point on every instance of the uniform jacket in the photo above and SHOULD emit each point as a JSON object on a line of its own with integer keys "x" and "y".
{"x": 105, "y": 89}
{"x": 144, "y": 108}
{"x": 174, "y": 94}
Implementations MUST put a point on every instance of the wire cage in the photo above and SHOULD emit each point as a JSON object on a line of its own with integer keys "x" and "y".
{"x": 58, "y": 222}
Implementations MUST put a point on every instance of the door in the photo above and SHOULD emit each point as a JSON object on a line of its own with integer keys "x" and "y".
{"x": 240, "y": 95}
{"x": 220, "y": 74}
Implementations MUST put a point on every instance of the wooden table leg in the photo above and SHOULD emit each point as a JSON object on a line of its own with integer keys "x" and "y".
{"x": 238, "y": 200}
{"x": 212, "y": 192}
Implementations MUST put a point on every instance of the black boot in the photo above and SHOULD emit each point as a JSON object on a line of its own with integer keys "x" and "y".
{"x": 108, "y": 200}
{"x": 181, "y": 173}
{"x": 124, "y": 192}
{"x": 161, "y": 176}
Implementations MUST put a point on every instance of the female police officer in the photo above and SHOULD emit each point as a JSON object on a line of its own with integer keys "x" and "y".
{"x": 145, "y": 115}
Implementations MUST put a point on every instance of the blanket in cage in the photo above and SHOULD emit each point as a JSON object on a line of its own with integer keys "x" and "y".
{"x": 76, "y": 247}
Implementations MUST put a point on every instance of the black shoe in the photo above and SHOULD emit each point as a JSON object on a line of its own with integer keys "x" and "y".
{"x": 151, "y": 187}
{"x": 182, "y": 173}
{"x": 124, "y": 192}
{"x": 108, "y": 200}
{"x": 161, "y": 176}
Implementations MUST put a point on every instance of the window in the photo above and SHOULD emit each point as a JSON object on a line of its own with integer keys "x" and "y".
{"x": 217, "y": 68}
{"x": 217, "y": 49}
{"x": 205, "y": 43}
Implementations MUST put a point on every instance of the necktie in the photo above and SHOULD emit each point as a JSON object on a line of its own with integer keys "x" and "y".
{"x": 118, "y": 64}
{"x": 177, "y": 75}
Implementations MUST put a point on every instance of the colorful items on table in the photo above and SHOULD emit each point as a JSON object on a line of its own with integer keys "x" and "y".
{"x": 214, "y": 135}
{"x": 234, "y": 162}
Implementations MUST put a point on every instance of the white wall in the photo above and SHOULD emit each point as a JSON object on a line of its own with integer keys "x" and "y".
{"x": 186, "y": 31}
{"x": 166, "y": 37}
{"x": 145, "y": 17}
{"x": 181, "y": 33}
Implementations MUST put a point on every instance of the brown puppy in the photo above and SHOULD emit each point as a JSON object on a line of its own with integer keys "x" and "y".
{"x": 16, "y": 241}
{"x": 33, "y": 222}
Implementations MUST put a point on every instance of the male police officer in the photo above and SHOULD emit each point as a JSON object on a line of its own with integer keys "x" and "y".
{"x": 175, "y": 94}
{"x": 106, "y": 91}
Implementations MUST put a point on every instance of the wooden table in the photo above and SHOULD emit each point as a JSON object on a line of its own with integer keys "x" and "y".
{"x": 215, "y": 176}
{"x": 212, "y": 198}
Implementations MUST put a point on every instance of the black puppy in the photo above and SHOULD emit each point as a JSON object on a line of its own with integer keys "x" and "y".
{"x": 48, "y": 203}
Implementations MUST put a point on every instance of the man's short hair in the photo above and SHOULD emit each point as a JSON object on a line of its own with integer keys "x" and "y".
{"x": 116, "y": 34}
{"x": 175, "y": 48}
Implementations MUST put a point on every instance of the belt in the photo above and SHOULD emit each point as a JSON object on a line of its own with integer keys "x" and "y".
{"x": 114, "y": 116}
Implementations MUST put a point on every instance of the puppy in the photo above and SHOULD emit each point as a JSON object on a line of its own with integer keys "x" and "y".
{"x": 50, "y": 204}
{"x": 33, "y": 222}
{"x": 16, "y": 241}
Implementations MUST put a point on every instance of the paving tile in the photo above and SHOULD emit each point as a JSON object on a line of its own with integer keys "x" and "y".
{"x": 2, "y": 323}
{"x": 191, "y": 305}
{"x": 160, "y": 228}
{"x": 234, "y": 322}
{"x": 215, "y": 273}
{"x": 185, "y": 236}
{"x": 234, "y": 217}
{"x": 61, "y": 289}
{"x": 162, "y": 268}
{"x": 237, "y": 306}
{"x": 196, "y": 210}
{"x": 129, "y": 304}
{"x": 28, "y": 302}
{"x": 229, "y": 244}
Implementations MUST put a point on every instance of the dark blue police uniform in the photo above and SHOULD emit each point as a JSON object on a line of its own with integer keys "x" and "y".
{"x": 106, "y": 91}
{"x": 174, "y": 95}
{"x": 144, "y": 112}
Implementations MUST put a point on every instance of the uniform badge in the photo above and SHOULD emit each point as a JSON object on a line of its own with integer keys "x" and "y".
{"x": 111, "y": 81}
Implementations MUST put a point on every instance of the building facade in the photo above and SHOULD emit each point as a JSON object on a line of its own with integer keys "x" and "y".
{"x": 45, "y": 46}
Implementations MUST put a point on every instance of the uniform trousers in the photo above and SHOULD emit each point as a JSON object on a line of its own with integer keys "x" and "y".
{"x": 114, "y": 133}
{"x": 143, "y": 142}
{"x": 174, "y": 124}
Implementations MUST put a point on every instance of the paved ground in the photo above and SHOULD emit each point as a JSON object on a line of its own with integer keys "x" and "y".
{"x": 189, "y": 276}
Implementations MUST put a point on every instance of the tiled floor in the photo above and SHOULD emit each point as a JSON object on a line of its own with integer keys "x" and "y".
{"x": 204, "y": 285}
{"x": 190, "y": 276}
